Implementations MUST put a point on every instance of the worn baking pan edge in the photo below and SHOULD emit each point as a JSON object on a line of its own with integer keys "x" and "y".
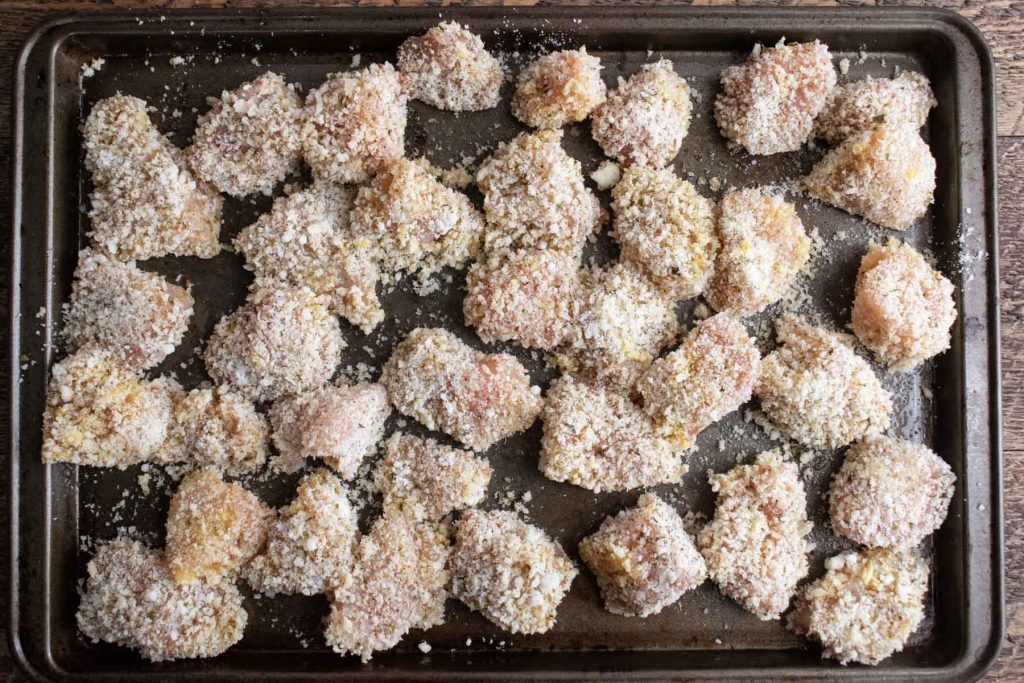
{"x": 984, "y": 630}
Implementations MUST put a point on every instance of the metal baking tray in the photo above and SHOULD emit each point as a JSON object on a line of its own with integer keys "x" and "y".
{"x": 952, "y": 404}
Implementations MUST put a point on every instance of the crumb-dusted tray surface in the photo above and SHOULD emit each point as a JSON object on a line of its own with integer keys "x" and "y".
{"x": 952, "y": 404}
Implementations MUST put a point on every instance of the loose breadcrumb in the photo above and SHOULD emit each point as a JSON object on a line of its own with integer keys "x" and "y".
{"x": 607, "y": 175}
{"x": 855, "y": 107}
{"x": 449, "y": 67}
{"x": 559, "y": 88}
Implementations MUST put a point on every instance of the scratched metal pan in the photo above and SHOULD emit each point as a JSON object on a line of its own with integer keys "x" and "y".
{"x": 59, "y": 513}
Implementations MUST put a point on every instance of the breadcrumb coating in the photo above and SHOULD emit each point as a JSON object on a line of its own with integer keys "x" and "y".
{"x": 130, "y": 599}
{"x": 885, "y": 174}
{"x": 643, "y": 558}
{"x": 355, "y": 124}
{"x": 890, "y": 493}
{"x": 559, "y": 88}
{"x": 768, "y": 104}
{"x": 509, "y": 571}
{"x": 448, "y": 67}
{"x": 645, "y": 119}
{"x": 478, "y": 398}
{"x": 754, "y": 546}
{"x": 855, "y": 107}
{"x": 213, "y": 528}
{"x": 665, "y": 228}
{"x": 310, "y": 544}
{"x": 139, "y": 316}
{"x": 251, "y": 139}
{"x": 816, "y": 390}
{"x": 865, "y": 606}
{"x": 145, "y": 200}
{"x": 903, "y": 309}
{"x": 598, "y": 439}
{"x": 763, "y": 246}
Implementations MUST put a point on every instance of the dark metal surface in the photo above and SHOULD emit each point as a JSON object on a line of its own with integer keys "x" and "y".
{"x": 952, "y": 404}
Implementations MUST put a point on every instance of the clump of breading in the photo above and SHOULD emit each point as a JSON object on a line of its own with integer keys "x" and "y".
{"x": 816, "y": 390}
{"x": 282, "y": 341}
{"x": 534, "y": 196}
{"x": 310, "y": 544}
{"x": 768, "y": 104}
{"x": 340, "y": 425}
{"x": 865, "y": 606}
{"x": 130, "y": 599}
{"x": 885, "y": 174}
{"x": 762, "y": 248}
{"x": 426, "y": 480}
{"x": 903, "y": 308}
{"x": 251, "y": 138}
{"x": 397, "y": 583}
{"x": 711, "y": 374}
{"x": 101, "y": 414}
{"x": 643, "y": 558}
{"x": 855, "y": 107}
{"x": 559, "y": 88}
{"x": 754, "y": 546}
{"x": 213, "y": 528}
{"x": 509, "y": 571}
{"x": 598, "y": 439}
{"x": 448, "y": 67}
{"x": 478, "y": 398}
{"x": 530, "y": 297}
{"x": 139, "y": 316}
{"x": 305, "y": 241}
{"x": 145, "y": 200}
{"x": 890, "y": 493}
{"x": 666, "y": 229}
{"x": 420, "y": 225}
{"x": 645, "y": 119}
{"x": 355, "y": 124}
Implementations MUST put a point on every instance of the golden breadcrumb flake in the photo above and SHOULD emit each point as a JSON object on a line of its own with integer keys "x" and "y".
{"x": 139, "y": 316}
{"x": 598, "y": 439}
{"x": 643, "y": 558}
{"x": 130, "y": 599}
{"x": 645, "y": 119}
{"x": 478, "y": 398}
{"x": 449, "y": 67}
{"x": 768, "y": 103}
{"x": 559, "y": 88}
{"x": 509, "y": 571}
{"x": 855, "y": 107}
{"x": 865, "y": 606}
{"x": 251, "y": 138}
{"x": 145, "y": 200}
{"x": 903, "y": 308}
{"x": 754, "y": 546}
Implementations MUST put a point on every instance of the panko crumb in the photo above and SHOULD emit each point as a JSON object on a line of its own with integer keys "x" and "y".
{"x": 599, "y": 439}
{"x": 645, "y": 119}
{"x": 138, "y": 315}
{"x": 607, "y": 175}
{"x": 768, "y": 104}
{"x": 509, "y": 571}
{"x": 855, "y": 107}
{"x": 559, "y": 88}
{"x": 865, "y": 606}
{"x": 448, "y": 67}
{"x": 903, "y": 309}
{"x": 643, "y": 558}
{"x": 816, "y": 390}
{"x": 890, "y": 493}
{"x": 754, "y": 546}
{"x": 130, "y": 599}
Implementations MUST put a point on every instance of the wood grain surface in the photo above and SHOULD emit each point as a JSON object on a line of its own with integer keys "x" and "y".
{"x": 1002, "y": 22}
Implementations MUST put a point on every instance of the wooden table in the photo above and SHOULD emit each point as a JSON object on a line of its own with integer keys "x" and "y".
{"x": 1002, "y": 21}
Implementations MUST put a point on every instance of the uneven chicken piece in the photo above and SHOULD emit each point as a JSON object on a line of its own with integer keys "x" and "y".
{"x": 449, "y": 67}
{"x": 145, "y": 200}
{"x": 768, "y": 104}
{"x": 643, "y": 558}
{"x": 251, "y": 138}
{"x": 478, "y": 398}
{"x": 130, "y": 599}
{"x": 754, "y": 546}
{"x": 599, "y": 439}
{"x": 855, "y": 107}
{"x": 509, "y": 571}
{"x": 559, "y": 88}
